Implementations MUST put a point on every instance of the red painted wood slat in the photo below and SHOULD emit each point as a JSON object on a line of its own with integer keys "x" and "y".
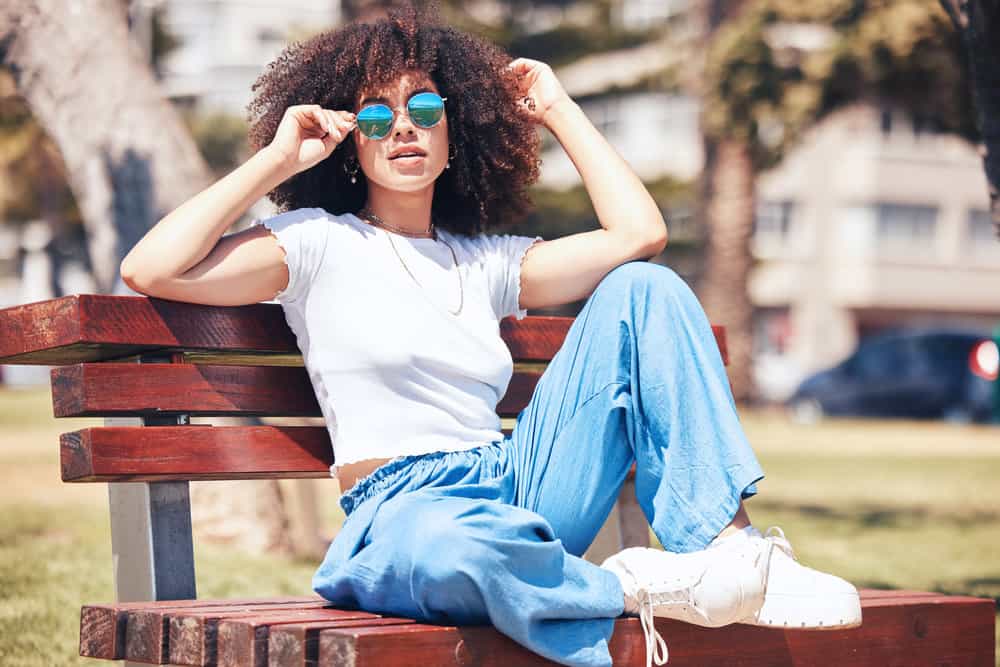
{"x": 244, "y": 641}
{"x": 914, "y": 631}
{"x": 102, "y": 626}
{"x": 122, "y": 389}
{"x": 96, "y": 327}
{"x": 137, "y": 453}
{"x": 192, "y": 633}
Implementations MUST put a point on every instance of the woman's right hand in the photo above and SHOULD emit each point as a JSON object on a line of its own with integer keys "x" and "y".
{"x": 308, "y": 133}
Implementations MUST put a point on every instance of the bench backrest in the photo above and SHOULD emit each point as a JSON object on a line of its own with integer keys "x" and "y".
{"x": 166, "y": 361}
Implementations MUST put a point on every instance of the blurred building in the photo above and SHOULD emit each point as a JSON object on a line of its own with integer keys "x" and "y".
{"x": 656, "y": 132}
{"x": 872, "y": 222}
{"x": 225, "y": 44}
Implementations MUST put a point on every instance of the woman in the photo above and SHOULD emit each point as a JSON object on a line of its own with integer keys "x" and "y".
{"x": 396, "y": 148}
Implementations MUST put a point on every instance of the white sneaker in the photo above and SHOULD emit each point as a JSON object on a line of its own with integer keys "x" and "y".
{"x": 712, "y": 587}
{"x": 747, "y": 578}
{"x": 798, "y": 596}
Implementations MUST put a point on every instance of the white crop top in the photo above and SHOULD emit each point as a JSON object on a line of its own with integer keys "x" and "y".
{"x": 394, "y": 372}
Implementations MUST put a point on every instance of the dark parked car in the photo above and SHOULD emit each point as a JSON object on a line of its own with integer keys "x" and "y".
{"x": 915, "y": 373}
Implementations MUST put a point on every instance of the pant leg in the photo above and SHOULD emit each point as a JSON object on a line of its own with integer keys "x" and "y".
{"x": 639, "y": 377}
{"x": 442, "y": 555}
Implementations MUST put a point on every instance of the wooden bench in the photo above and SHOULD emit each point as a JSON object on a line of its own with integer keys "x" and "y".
{"x": 147, "y": 365}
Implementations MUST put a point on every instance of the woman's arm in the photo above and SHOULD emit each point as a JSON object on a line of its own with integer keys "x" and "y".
{"x": 184, "y": 256}
{"x": 623, "y": 205}
{"x": 187, "y": 234}
{"x": 632, "y": 227}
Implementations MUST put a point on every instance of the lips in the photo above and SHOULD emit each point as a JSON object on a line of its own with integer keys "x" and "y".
{"x": 407, "y": 152}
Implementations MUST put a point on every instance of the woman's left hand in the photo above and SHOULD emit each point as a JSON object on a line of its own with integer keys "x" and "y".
{"x": 539, "y": 89}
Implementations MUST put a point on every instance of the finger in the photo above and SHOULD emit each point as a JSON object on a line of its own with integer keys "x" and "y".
{"x": 522, "y": 65}
{"x": 342, "y": 123}
{"x": 346, "y": 118}
{"x": 330, "y": 120}
{"x": 311, "y": 119}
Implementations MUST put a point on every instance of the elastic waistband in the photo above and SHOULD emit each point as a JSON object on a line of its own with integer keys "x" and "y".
{"x": 386, "y": 475}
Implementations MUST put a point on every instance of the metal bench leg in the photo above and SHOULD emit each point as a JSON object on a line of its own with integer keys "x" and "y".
{"x": 151, "y": 544}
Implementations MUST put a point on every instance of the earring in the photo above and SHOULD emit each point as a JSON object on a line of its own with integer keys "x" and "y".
{"x": 452, "y": 154}
{"x": 351, "y": 167}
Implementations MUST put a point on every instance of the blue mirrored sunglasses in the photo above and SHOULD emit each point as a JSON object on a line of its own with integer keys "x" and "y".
{"x": 425, "y": 110}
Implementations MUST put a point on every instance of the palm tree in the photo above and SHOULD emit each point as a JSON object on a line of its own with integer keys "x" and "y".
{"x": 727, "y": 210}
{"x": 978, "y": 21}
{"x": 762, "y": 90}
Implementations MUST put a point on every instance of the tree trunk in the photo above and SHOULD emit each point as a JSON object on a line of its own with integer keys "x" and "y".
{"x": 129, "y": 160}
{"x": 979, "y": 23}
{"x": 728, "y": 211}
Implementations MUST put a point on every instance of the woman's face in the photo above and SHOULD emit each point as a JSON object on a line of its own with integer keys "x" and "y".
{"x": 405, "y": 174}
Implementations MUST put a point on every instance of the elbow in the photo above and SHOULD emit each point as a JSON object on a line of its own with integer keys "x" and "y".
{"x": 655, "y": 242}
{"x": 135, "y": 279}
{"x": 127, "y": 273}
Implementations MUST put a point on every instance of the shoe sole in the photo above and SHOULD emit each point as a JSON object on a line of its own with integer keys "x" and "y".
{"x": 785, "y": 612}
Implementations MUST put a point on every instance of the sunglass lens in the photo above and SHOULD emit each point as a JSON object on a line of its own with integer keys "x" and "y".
{"x": 375, "y": 121}
{"x": 426, "y": 109}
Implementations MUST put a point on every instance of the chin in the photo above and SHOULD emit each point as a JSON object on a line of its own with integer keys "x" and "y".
{"x": 408, "y": 182}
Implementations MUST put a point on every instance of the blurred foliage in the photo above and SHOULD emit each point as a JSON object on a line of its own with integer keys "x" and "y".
{"x": 221, "y": 138}
{"x": 32, "y": 174}
{"x": 164, "y": 41}
{"x": 901, "y": 53}
{"x": 567, "y": 43}
{"x": 558, "y": 46}
{"x": 561, "y": 212}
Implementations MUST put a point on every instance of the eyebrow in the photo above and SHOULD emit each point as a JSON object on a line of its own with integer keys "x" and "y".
{"x": 421, "y": 89}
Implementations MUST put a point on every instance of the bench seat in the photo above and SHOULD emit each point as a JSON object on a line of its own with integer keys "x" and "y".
{"x": 900, "y": 628}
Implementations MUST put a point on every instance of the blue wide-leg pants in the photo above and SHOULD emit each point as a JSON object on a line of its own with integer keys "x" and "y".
{"x": 495, "y": 534}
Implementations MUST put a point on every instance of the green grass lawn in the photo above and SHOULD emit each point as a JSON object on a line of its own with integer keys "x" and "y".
{"x": 885, "y": 504}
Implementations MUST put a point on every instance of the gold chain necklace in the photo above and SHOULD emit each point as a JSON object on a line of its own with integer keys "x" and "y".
{"x": 431, "y": 233}
{"x": 367, "y": 213}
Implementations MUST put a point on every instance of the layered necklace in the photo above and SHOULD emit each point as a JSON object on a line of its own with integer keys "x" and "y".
{"x": 367, "y": 215}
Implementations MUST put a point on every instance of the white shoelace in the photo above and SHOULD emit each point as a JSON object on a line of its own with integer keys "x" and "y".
{"x": 776, "y": 536}
{"x": 656, "y": 646}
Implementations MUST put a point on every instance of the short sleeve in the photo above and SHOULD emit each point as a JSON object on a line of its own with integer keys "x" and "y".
{"x": 502, "y": 256}
{"x": 302, "y": 233}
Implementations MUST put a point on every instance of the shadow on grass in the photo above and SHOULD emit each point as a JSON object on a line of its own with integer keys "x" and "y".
{"x": 879, "y": 517}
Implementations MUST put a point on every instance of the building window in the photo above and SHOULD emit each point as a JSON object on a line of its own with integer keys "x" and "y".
{"x": 982, "y": 238}
{"x": 905, "y": 228}
{"x": 773, "y": 222}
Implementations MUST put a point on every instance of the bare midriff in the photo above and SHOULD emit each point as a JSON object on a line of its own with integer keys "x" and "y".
{"x": 349, "y": 473}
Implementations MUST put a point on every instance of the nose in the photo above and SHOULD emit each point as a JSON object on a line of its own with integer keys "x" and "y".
{"x": 403, "y": 122}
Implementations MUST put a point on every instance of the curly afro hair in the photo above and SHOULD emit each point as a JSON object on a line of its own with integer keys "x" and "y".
{"x": 495, "y": 147}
